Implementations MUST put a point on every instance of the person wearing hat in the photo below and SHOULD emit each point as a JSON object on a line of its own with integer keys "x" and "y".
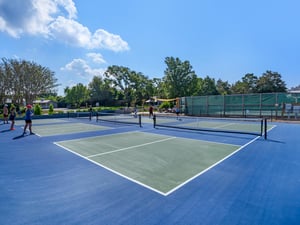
{"x": 5, "y": 114}
{"x": 28, "y": 119}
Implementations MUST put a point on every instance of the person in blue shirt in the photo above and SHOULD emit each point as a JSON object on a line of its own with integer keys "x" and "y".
{"x": 28, "y": 119}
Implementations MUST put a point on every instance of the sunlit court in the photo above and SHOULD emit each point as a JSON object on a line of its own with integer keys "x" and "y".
{"x": 167, "y": 165}
{"x": 159, "y": 162}
{"x": 49, "y": 127}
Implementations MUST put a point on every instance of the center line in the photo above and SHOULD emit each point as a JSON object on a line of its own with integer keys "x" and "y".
{"x": 135, "y": 146}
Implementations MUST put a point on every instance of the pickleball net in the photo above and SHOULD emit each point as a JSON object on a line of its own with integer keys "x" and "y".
{"x": 82, "y": 115}
{"x": 130, "y": 119}
{"x": 255, "y": 126}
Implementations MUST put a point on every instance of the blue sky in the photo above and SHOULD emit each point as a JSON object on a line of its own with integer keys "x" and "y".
{"x": 79, "y": 39}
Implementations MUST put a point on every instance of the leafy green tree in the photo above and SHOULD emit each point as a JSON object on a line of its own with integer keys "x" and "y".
{"x": 25, "y": 80}
{"x": 119, "y": 77}
{"x": 239, "y": 88}
{"x": 76, "y": 95}
{"x": 270, "y": 82}
{"x": 61, "y": 102}
{"x": 247, "y": 85}
{"x": 133, "y": 85}
{"x": 208, "y": 86}
{"x": 250, "y": 81}
{"x": 223, "y": 87}
{"x": 140, "y": 84}
{"x": 101, "y": 91}
{"x": 179, "y": 78}
{"x": 198, "y": 89}
{"x": 158, "y": 88}
{"x": 3, "y": 83}
{"x": 150, "y": 90}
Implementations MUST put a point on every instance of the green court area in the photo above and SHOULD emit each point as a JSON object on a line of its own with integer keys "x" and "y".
{"x": 230, "y": 125}
{"x": 234, "y": 126}
{"x": 159, "y": 162}
{"x": 65, "y": 128}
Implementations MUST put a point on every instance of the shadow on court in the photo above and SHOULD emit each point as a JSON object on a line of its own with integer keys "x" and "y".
{"x": 3, "y": 131}
{"x": 22, "y": 136}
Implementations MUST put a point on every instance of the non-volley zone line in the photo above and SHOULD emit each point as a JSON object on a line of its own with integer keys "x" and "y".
{"x": 159, "y": 162}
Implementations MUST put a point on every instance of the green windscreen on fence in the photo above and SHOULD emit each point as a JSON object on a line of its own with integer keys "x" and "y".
{"x": 242, "y": 105}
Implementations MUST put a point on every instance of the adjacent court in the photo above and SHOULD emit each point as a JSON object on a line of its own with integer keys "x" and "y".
{"x": 67, "y": 128}
{"x": 178, "y": 171}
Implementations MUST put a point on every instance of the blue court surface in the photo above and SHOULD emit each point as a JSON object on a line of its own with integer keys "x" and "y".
{"x": 77, "y": 171}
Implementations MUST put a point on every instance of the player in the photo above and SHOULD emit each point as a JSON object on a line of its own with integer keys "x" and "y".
{"x": 28, "y": 119}
{"x": 5, "y": 114}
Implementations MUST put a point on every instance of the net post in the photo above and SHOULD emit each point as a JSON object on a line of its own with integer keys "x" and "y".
{"x": 154, "y": 121}
{"x": 261, "y": 127}
{"x": 265, "y": 127}
{"x": 140, "y": 120}
{"x": 97, "y": 115}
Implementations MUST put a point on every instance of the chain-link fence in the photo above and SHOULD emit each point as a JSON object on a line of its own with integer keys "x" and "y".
{"x": 272, "y": 105}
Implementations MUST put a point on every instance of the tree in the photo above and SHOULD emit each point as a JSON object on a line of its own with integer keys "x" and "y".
{"x": 239, "y": 88}
{"x": 76, "y": 95}
{"x": 223, "y": 87}
{"x": 132, "y": 84}
{"x": 208, "y": 86}
{"x": 179, "y": 79}
{"x": 23, "y": 80}
{"x": 101, "y": 91}
{"x": 3, "y": 83}
{"x": 158, "y": 88}
{"x": 119, "y": 77}
{"x": 250, "y": 81}
{"x": 139, "y": 84}
{"x": 270, "y": 82}
{"x": 247, "y": 85}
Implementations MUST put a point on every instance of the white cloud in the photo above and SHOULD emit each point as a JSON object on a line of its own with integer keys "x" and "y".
{"x": 96, "y": 57}
{"x": 27, "y": 16}
{"x": 55, "y": 19}
{"x": 104, "y": 39}
{"x": 69, "y": 6}
{"x": 82, "y": 69}
{"x": 70, "y": 32}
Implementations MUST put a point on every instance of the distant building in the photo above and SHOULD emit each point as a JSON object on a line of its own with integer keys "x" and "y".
{"x": 45, "y": 103}
{"x": 294, "y": 91}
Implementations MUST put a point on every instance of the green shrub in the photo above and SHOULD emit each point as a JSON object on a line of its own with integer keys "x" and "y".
{"x": 37, "y": 109}
{"x": 51, "y": 109}
{"x": 165, "y": 105}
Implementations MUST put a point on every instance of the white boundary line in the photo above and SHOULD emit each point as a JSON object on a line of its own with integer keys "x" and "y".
{"x": 142, "y": 184}
{"x": 228, "y": 156}
{"x": 27, "y": 130}
{"x": 111, "y": 170}
{"x": 215, "y": 164}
